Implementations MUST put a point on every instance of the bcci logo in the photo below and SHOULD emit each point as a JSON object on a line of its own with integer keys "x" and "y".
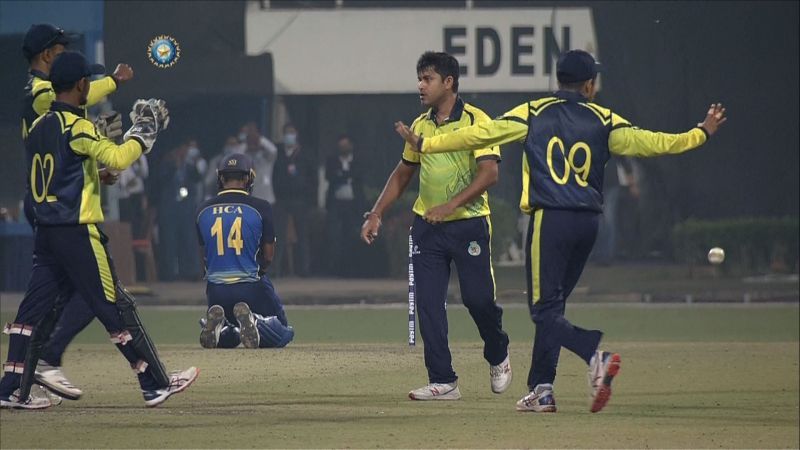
{"x": 163, "y": 51}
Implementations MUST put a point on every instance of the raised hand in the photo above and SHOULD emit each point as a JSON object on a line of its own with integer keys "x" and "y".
{"x": 714, "y": 118}
{"x": 405, "y": 132}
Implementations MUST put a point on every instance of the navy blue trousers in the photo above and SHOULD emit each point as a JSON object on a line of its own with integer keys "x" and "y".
{"x": 260, "y": 296}
{"x": 559, "y": 245}
{"x": 66, "y": 260}
{"x": 467, "y": 244}
{"x": 76, "y": 316}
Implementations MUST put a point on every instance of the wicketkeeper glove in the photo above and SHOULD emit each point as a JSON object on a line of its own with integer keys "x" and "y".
{"x": 149, "y": 117}
{"x": 109, "y": 124}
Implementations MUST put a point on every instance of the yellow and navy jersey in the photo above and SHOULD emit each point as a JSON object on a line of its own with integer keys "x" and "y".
{"x": 39, "y": 95}
{"x": 62, "y": 151}
{"x": 443, "y": 176}
{"x": 232, "y": 228}
{"x": 567, "y": 142}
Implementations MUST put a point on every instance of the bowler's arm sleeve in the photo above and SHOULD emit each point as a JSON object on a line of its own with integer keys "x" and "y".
{"x": 85, "y": 140}
{"x": 100, "y": 89}
{"x": 482, "y": 154}
{"x": 510, "y": 127}
{"x": 627, "y": 140}
{"x": 43, "y": 96}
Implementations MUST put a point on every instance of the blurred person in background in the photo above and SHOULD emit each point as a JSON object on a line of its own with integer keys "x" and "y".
{"x": 620, "y": 181}
{"x": 344, "y": 202}
{"x": 293, "y": 179}
{"x": 231, "y": 146}
{"x": 263, "y": 154}
{"x": 175, "y": 201}
{"x": 195, "y": 157}
{"x": 133, "y": 204}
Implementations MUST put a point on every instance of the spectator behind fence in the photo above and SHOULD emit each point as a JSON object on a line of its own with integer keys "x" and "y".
{"x": 263, "y": 154}
{"x": 344, "y": 203}
{"x": 293, "y": 179}
{"x": 231, "y": 146}
{"x": 195, "y": 157}
{"x": 175, "y": 202}
{"x": 133, "y": 204}
{"x": 620, "y": 181}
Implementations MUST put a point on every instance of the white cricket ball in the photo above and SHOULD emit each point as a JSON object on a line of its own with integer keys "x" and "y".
{"x": 716, "y": 255}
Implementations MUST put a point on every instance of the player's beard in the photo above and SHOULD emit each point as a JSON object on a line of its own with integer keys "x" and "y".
{"x": 84, "y": 92}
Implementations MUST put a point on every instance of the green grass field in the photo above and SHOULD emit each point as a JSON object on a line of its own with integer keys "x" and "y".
{"x": 696, "y": 376}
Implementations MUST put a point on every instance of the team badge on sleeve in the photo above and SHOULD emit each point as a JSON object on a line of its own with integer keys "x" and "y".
{"x": 163, "y": 51}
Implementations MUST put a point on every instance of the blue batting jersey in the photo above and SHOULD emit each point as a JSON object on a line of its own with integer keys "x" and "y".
{"x": 232, "y": 228}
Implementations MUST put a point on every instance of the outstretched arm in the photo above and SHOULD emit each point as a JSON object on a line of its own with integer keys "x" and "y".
{"x": 88, "y": 142}
{"x": 510, "y": 127}
{"x": 626, "y": 140}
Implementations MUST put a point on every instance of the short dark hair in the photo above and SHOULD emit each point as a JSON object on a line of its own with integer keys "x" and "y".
{"x": 442, "y": 63}
{"x": 59, "y": 88}
{"x": 227, "y": 177}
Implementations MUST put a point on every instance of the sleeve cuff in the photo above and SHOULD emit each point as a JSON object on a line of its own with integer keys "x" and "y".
{"x": 708, "y": 136}
{"x": 140, "y": 142}
{"x": 410, "y": 163}
{"x": 488, "y": 158}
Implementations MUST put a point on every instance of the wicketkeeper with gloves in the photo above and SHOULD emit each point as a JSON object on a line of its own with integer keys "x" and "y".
{"x": 70, "y": 254}
{"x": 41, "y": 45}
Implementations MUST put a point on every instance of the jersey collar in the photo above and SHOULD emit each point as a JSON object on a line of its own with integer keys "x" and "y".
{"x": 38, "y": 74}
{"x": 61, "y": 106}
{"x": 233, "y": 191}
{"x": 455, "y": 114}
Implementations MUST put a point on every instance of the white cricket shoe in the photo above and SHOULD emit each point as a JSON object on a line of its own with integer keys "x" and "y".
{"x": 500, "y": 376}
{"x": 212, "y": 327}
{"x": 52, "y": 378}
{"x": 603, "y": 367}
{"x": 178, "y": 382}
{"x": 436, "y": 391}
{"x": 540, "y": 399}
{"x": 247, "y": 325}
{"x": 32, "y": 402}
{"x": 41, "y": 391}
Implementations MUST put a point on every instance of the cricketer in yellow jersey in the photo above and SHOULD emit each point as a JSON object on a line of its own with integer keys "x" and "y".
{"x": 567, "y": 141}
{"x": 70, "y": 254}
{"x": 451, "y": 225}
{"x": 41, "y": 45}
